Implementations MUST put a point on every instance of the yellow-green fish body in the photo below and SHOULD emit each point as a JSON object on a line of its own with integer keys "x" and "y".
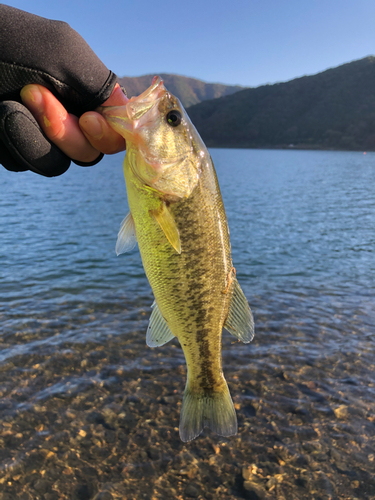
{"x": 178, "y": 218}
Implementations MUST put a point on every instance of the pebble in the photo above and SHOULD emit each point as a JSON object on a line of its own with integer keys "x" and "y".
{"x": 254, "y": 491}
{"x": 341, "y": 412}
{"x": 104, "y": 495}
{"x": 248, "y": 472}
{"x": 192, "y": 491}
{"x": 271, "y": 483}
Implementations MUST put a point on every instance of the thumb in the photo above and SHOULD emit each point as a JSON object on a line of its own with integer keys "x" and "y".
{"x": 96, "y": 129}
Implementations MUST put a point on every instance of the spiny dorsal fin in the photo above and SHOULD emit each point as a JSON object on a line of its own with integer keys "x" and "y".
{"x": 168, "y": 225}
{"x": 240, "y": 321}
{"x": 158, "y": 332}
{"x": 126, "y": 239}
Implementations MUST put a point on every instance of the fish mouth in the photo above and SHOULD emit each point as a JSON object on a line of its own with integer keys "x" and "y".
{"x": 125, "y": 118}
{"x": 156, "y": 87}
{"x": 138, "y": 106}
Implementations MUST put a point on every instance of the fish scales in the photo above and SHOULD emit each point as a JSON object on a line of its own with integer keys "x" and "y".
{"x": 179, "y": 220}
{"x": 188, "y": 288}
{"x": 191, "y": 284}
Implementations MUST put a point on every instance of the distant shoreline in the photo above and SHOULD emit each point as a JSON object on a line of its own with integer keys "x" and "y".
{"x": 289, "y": 148}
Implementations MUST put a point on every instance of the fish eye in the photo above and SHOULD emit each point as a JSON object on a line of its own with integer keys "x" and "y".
{"x": 174, "y": 118}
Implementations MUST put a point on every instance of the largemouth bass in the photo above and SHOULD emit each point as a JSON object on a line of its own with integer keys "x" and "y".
{"x": 178, "y": 218}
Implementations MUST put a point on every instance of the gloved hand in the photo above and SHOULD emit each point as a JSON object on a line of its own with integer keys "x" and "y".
{"x": 49, "y": 53}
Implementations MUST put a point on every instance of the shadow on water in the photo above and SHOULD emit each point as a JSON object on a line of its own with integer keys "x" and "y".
{"x": 89, "y": 411}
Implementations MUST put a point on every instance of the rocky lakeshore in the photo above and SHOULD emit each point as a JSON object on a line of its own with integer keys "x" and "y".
{"x": 113, "y": 432}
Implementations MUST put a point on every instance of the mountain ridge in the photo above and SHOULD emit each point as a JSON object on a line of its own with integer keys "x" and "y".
{"x": 189, "y": 90}
{"x": 334, "y": 109}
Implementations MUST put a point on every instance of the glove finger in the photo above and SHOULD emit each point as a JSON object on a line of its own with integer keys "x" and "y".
{"x": 23, "y": 146}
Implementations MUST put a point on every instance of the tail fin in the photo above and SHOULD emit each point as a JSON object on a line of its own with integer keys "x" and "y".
{"x": 214, "y": 410}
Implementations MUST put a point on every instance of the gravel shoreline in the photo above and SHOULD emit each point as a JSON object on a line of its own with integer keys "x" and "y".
{"x": 117, "y": 437}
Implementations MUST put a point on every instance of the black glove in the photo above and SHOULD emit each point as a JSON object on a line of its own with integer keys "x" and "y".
{"x": 52, "y": 54}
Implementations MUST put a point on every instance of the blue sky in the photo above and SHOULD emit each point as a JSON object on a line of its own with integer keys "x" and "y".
{"x": 246, "y": 42}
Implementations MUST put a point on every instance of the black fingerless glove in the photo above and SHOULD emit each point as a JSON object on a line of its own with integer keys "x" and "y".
{"x": 52, "y": 54}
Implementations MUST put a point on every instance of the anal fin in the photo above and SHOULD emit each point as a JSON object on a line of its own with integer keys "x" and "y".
{"x": 240, "y": 321}
{"x": 158, "y": 331}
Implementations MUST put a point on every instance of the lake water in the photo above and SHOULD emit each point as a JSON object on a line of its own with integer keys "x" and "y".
{"x": 89, "y": 411}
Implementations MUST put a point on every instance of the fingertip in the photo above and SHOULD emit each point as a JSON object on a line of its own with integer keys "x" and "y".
{"x": 91, "y": 125}
{"x": 100, "y": 135}
{"x": 117, "y": 98}
{"x": 51, "y": 115}
{"x": 32, "y": 98}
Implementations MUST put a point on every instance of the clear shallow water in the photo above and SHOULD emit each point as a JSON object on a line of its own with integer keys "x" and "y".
{"x": 73, "y": 316}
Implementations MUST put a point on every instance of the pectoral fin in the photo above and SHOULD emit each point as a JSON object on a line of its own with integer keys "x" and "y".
{"x": 240, "y": 321}
{"x": 168, "y": 225}
{"x": 126, "y": 239}
{"x": 158, "y": 331}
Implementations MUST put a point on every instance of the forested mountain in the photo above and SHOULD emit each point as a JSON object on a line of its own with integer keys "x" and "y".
{"x": 334, "y": 109}
{"x": 189, "y": 90}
